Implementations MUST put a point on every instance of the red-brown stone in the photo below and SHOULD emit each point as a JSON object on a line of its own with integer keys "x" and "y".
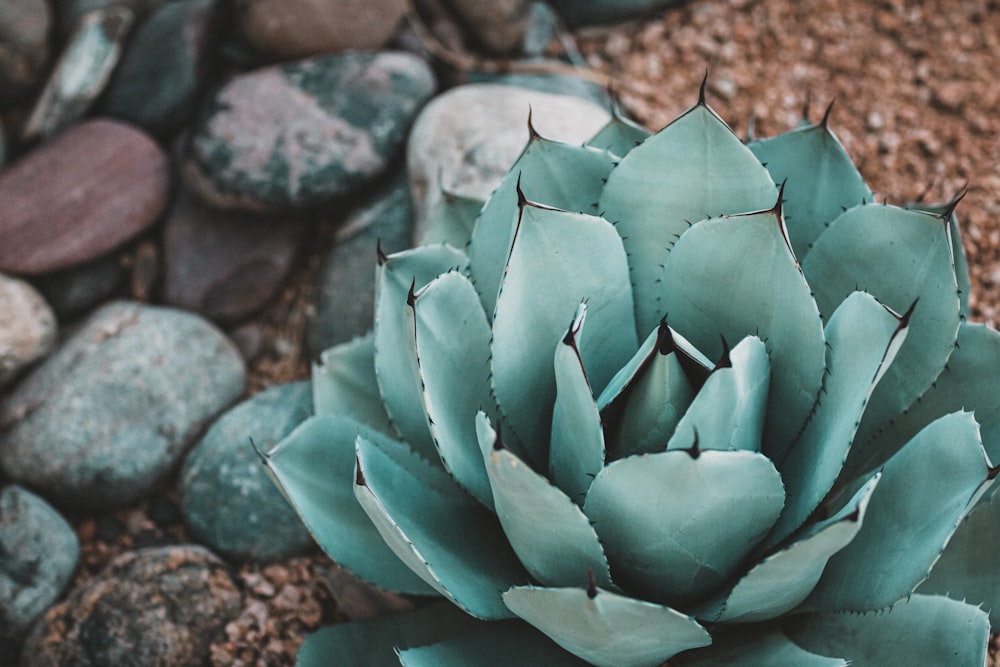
{"x": 85, "y": 192}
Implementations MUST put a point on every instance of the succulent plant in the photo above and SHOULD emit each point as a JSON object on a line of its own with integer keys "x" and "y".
{"x": 665, "y": 397}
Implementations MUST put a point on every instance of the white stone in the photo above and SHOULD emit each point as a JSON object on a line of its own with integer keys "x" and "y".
{"x": 27, "y": 327}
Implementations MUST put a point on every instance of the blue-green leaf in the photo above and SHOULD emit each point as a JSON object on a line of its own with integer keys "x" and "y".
{"x": 678, "y": 524}
{"x": 957, "y": 249}
{"x": 451, "y": 220}
{"x": 736, "y": 276}
{"x": 922, "y": 630}
{"x": 576, "y": 258}
{"x": 605, "y": 628}
{"x": 448, "y": 539}
{"x": 314, "y": 467}
{"x": 490, "y": 644}
{"x": 753, "y": 648}
{"x": 619, "y": 135}
{"x": 692, "y": 169}
{"x": 344, "y": 384}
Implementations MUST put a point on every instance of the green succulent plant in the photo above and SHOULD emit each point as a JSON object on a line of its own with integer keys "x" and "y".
{"x": 665, "y": 397}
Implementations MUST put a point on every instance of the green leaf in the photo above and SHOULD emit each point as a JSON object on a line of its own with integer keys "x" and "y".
{"x": 550, "y": 173}
{"x": 820, "y": 180}
{"x": 344, "y": 384}
{"x": 957, "y": 249}
{"x": 395, "y": 349}
{"x": 753, "y": 648}
{"x": 678, "y": 524}
{"x": 732, "y": 277}
{"x": 692, "y": 169}
{"x": 451, "y": 220}
{"x": 777, "y": 584}
{"x": 922, "y": 630}
{"x": 728, "y": 412}
{"x": 576, "y": 449}
{"x": 619, "y": 135}
{"x": 863, "y": 338}
{"x": 969, "y": 567}
{"x": 374, "y": 643}
{"x": 453, "y": 338}
{"x": 576, "y": 258}
{"x": 605, "y": 628}
{"x": 898, "y": 256}
{"x": 548, "y": 531}
{"x": 925, "y": 491}
{"x": 497, "y": 643}
{"x": 448, "y": 539}
{"x": 313, "y": 466}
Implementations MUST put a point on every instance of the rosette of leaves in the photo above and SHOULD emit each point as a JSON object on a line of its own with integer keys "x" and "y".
{"x": 665, "y": 397}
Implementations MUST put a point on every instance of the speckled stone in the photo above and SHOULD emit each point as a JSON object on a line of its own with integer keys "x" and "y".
{"x": 100, "y": 423}
{"x": 296, "y": 28}
{"x": 156, "y": 606}
{"x": 38, "y": 553}
{"x": 299, "y": 134}
{"x": 27, "y": 329}
{"x": 227, "y": 499}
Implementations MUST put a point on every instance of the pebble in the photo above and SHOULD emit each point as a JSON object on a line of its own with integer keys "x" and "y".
{"x": 164, "y": 69}
{"x": 359, "y": 600}
{"x": 101, "y": 422}
{"x": 299, "y": 134}
{"x": 227, "y": 499}
{"x": 80, "y": 195}
{"x": 226, "y": 265}
{"x": 73, "y": 291}
{"x": 297, "y": 28}
{"x": 466, "y": 139}
{"x": 38, "y": 554}
{"x": 499, "y": 25}
{"x": 154, "y": 606}
{"x": 587, "y": 12}
{"x": 27, "y": 329}
{"x": 24, "y": 45}
{"x": 344, "y": 295}
{"x": 83, "y": 71}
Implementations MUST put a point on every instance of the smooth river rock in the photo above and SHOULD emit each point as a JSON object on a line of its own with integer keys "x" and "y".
{"x": 27, "y": 328}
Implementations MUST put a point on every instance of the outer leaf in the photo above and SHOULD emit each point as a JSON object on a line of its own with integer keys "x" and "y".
{"x": 898, "y": 256}
{"x": 451, "y": 220}
{"x": 922, "y": 630}
{"x": 452, "y": 339}
{"x": 863, "y": 338}
{"x": 499, "y": 643}
{"x": 678, "y": 524}
{"x": 781, "y": 581}
{"x": 820, "y": 180}
{"x": 374, "y": 643}
{"x": 736, "y": 276}
{"x": 449, "y": 540}
{"x": 395, "y": 350}
{"x": 969, "y": 568}
{"x": 925, "y": 491}
{"x": 577, "y": 258}
{"x": 344, "y": 384}
{"x": 549, "y": 533}
{"x": 692, "y": 169}
{"x": 619, "y": 136}
{"x": 753, "y": 649}
{"x": 550, "y": 173}
{"x": 576, "y": 450}
{"x": 313, "y": 466}
{"x": 728, "y": 412}
{"x": 957, "y": 249}
{"x": 605, "y": 628}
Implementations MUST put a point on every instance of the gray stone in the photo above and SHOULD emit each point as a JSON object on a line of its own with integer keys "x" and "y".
{"x": 345, "y": 285}
{"x": 38, "y": 553}
{"x": 27, "y": 329}
{"x": 72, "y": 291}
{"x": 164, "y": 67}
{"x": 101, "y": 422}
{"x": 156, "y": 606}
{"x": 499, "y": 25}
{"x": 24, "y": 45}
{"x": 465, "y": 140}
{"x": 296, "y": 28}
{"x": 586, "y": 12}
{"x": 301, "y": 133}
{"x": 227, "y": 499}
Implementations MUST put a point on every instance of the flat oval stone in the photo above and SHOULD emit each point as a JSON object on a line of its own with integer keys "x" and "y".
{"x": 101, "y": 422}
{"x": 85, "y": 192}
{"x": 301, "y": 133}
{"x": 38, "y": 554}
{"x": 27, "y": 329}
{"x": 227, "y": 499}
{"x": 156, "y": 606}
{"x": 296, "y": 28}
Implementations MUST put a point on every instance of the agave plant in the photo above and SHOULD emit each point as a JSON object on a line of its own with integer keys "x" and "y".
{"x": 665, "y": 397}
